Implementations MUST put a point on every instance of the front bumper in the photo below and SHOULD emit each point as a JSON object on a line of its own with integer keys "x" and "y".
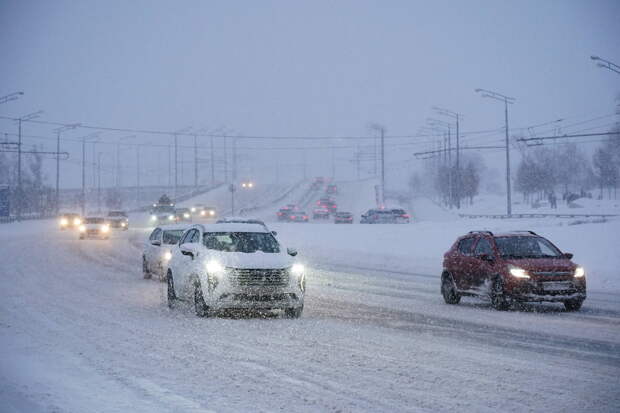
{"x": 538, "y": 291}
{"x": 258, "y": 299}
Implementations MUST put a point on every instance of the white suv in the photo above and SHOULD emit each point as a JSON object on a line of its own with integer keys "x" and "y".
{"x": 235, "y": 266}
{"x": 157, "y": 252}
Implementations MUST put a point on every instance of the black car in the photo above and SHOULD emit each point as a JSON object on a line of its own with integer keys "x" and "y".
{"x": 385, "y": 216}
{"x": 343, "y": 218}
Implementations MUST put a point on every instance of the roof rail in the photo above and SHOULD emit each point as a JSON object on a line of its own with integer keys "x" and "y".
{"x": 481, "y": 232}
{"x": 527, "y": 231}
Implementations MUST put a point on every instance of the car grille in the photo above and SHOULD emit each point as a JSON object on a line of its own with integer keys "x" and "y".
{"x": 552, "y": 273}
{"x": 259, "y": 277}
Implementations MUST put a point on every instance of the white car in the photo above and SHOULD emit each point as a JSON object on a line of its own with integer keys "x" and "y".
{"x": 235, "y": 266}
{"x": 157, "y": 252}
{"x": 94, "y": 227}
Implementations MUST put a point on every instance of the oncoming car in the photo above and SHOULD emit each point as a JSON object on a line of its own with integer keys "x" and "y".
{"x": 511, "y": 267}
{"x": 183, "y": 214}
{"x": 70, "y": 220}
{"x": 118, "y": 219}
{"x": 95, "y": 227}
{"x": 157, "y": 252}
{"x": 235, "y": 266}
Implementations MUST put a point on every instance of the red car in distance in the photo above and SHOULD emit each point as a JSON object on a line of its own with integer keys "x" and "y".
{"x": 513, "y": 267}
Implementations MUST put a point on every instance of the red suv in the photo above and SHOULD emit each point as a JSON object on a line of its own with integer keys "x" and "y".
{"x": 512, "y": 267}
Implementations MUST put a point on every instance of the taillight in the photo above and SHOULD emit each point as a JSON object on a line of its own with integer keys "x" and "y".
{"x": 293, "y": 217}
{"x": 406, "y": 216}
{"x": 305, "y": 217}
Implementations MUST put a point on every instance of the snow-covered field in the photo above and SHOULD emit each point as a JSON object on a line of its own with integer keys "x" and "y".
{"x": 80, "y": 330}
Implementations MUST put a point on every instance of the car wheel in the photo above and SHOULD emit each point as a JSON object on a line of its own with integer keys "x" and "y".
{"x": 200, "y": 307}
{"x": 498, "y": 298}
{"x": 293, "y": 312}
{"x": 145, "y": 269}
{"x": 448, "y": 290}
{"x": 573, "y": 305}
{"x": 172, "y": 296}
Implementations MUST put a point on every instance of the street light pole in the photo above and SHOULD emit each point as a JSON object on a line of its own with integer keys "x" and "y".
{"x": 195, "y": 163}
{"x": 58, "y": 132}
{"x": 507, "y": 100}
{"x": 99, "y": 182}
{"x": 10, "y": 97}
{"x": 456, "y": 116}
{"x": 606, "y": 64}
{"x": 19, "y": 160}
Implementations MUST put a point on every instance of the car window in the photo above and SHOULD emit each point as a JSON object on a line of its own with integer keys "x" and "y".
{"x": 195, "y": 237}
{"x": 171, "y": 237}
{"x": 248, "y": 242}
{"x": 483, "y": 247}
{"x": 526, "y": 247}
{"x": 94, "y": 221}
{"x": 465, "y": 245}
{"x": 186, "y": 237}
{"x": 154, "y": 234}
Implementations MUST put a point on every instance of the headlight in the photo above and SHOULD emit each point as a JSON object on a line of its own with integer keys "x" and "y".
{"x": 123, "y": 224}
{"x": 170, "y": 217}
{"x": 202, "y": 213}
{"x": 153, "y": 218}
{"x": 64, "y": 222}
{"x": 82, "y": 228}
{"x": 193, "y": 209}
{"x": 580, "y": 272}
{"x": 186, "y": 215}
{"x": 214, "y": 267}
{"x": 211, "y": 213}
{"x": 297, "y": 269}
{"x": 77, "y": 222}
{"x": 518, "y": 272}
{"x": 167, "y": 256}
{"x": 105, "y": 228}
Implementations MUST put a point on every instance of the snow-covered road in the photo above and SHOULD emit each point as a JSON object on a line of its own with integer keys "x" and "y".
{"x": 80, "y": 330}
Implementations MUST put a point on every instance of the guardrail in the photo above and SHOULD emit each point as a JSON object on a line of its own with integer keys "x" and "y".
{"x": 567, "y": 215}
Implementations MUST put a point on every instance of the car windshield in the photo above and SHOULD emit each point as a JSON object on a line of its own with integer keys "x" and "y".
{"x": 172, "y": 236}
{"x": 94, "y": 220}
{"x": 399, "y": 211}
{"x": 162, "y": 209}
{"x": 526, "y": 247}
{"x": 117, "y": 214}
{"x": 248, "y": 242}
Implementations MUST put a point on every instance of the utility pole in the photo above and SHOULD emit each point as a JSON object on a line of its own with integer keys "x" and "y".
{"x": 176, "y": 167}
{"x": 212, "y": 163}
{"x": 357, "y": 159}
{"x": 233, "y": 186}
{"x": 195, "y": 163}
{"x": 83, "y": 198}
{"x": 456, "y": 116}
{"x": 137, "y": 176}
{"x": 507, "y": 100}
{"x": 20, "y": 194}
{"x": 382, "y": 166}
{"x": 99, "y": 182}
{"x": 58, "y": 132}
{"x": 333, "y": 162}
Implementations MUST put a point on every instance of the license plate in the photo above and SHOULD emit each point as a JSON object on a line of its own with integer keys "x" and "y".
{"x": 557, "y": 285}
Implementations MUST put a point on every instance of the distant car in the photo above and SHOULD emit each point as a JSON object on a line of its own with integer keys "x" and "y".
{"x": 320, "y": 213}
{"x": 95, "y": 227}
{"x": 298, "y": 216}
{"x": 343, "y": 218}
{"x": 327, "y": 202}
{"x": 118, "y": 219}
{"x": 331, "y": 189}
{"x": 69, "y": 220}
{"x": 207, "y": 212}
{"x": 163, "y": 214}
{"x": 156, "y": 253}
{"x": 241, "y": 220}
{"x": 511, "y": 267}
{"x": 235, "y": 267}
{"x": 283, "y": 214}
{"x": 183, "y": 215}
{"x": 385, "y": 216}
{"x": 318, "y": 182}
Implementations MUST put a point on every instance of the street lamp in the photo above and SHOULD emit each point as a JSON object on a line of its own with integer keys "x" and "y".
{"x": 10, "y": 97}
{"x": 58, "y": 132}
{"x": 606, "y": 64}
{"x": 507, "y": 100}
{"x": 84, "y": 139}
{"x": 19, "y": 159}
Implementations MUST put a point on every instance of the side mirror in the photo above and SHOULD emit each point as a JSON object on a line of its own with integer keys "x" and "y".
{"x": 568, "y": 255}
{"x": 486, "y": 257}
{"x": 187, "y": 250}
{"x": 291, "y": 251}
{"x": 156, "y": 242}
{"x": 274, "y": 233}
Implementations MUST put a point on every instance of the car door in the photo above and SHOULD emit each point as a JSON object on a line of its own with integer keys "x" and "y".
{"x": 151, "y": 249}
{"x": 483, "y": 266}
{"x": 462, "y": 263}
{"x": 191, "y": 241}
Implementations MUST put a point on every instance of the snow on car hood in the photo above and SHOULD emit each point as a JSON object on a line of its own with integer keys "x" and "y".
{"x": 251, "y": 260}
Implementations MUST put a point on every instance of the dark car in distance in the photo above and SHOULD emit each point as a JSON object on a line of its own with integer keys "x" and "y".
{"x": 118, "y": 219}
{"x": 385, "y": 216}
{"x": 343, "y": 218}
{"x": 512, "y": 267}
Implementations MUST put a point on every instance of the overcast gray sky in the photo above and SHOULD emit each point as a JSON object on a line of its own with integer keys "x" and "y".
{"x": 302, "y": 68}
